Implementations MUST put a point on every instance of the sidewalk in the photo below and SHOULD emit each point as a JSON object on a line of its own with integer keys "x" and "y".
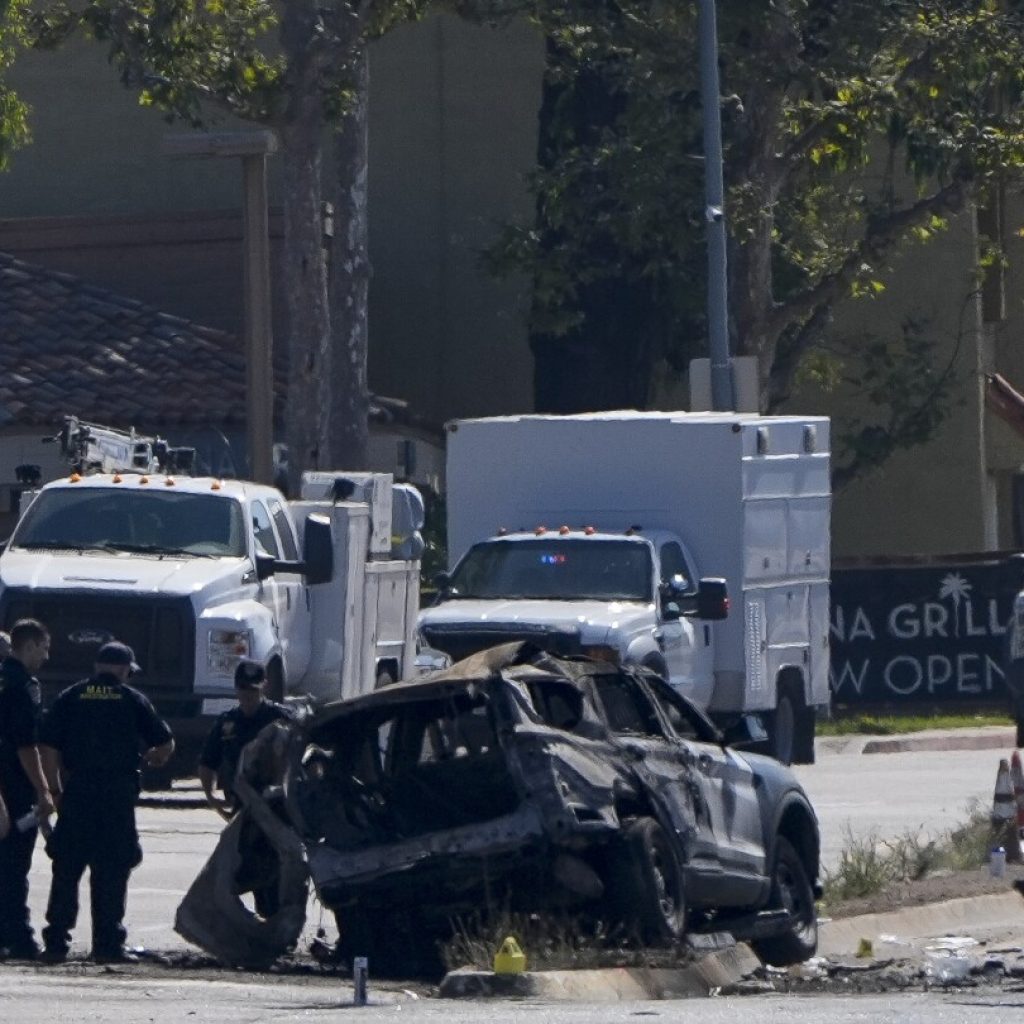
{"x": 986, "y": 737}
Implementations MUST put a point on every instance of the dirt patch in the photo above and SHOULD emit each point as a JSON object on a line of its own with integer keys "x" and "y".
{"x": 935, "y": 888}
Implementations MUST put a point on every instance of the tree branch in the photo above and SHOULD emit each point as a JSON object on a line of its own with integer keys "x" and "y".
{"x": 808, "y": 308}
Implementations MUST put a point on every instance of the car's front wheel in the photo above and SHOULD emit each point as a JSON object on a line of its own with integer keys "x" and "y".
{"x": 645, "y": 883}
{"x": 792, "y": 892}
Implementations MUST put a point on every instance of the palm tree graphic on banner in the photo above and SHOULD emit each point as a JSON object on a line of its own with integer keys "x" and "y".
{"x": 958, "y": 590}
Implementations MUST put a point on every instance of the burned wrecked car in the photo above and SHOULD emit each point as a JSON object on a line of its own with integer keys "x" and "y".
{"x": 518, "y": 780}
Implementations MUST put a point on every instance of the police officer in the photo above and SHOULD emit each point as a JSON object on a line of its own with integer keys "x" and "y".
{"x": 23, "y": 784}
{"x": 91, "y": 742}
{"x": 233, "y": 729}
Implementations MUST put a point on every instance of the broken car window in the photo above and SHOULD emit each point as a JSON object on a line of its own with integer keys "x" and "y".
{"x": 558, "y": 704}
{"x": 626, "y": 708}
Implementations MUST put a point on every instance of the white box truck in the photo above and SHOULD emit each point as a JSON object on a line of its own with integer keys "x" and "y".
{"x": 590, "y": 534}
{"x": 196, "y": 572}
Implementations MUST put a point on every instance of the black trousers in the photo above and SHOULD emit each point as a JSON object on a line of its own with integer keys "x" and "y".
{"x": 15, "y": 862}
{"x": 96, "y": 832}
{"x": 108, "y": 889}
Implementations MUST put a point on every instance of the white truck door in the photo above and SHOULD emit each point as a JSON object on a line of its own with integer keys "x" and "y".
{"x": 295, "y": 617}
{"x": 686, "y": 643}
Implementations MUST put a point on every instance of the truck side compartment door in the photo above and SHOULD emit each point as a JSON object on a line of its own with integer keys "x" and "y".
{"x": 294, "y": 621}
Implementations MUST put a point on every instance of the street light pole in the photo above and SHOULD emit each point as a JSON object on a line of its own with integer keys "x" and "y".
{"x": 714, "y": 211}
{"x": 252, "y": 148}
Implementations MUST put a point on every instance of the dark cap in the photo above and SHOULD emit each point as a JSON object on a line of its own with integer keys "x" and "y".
{"x": 116, "y": 653}
{"x": 249, "y": 674}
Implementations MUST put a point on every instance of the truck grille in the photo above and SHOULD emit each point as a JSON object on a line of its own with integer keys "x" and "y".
{"x": 160, "y": 630}
{"x": 459, "y": 642}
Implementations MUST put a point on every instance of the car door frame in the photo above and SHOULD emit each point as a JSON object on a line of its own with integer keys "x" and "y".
{"x": 729, "y": 782}
{"x": 672, "y": 785}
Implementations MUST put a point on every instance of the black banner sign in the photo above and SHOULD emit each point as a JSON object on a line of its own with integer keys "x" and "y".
{"x": 932, "y": 633}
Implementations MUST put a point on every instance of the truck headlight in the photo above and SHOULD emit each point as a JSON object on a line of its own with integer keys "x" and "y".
{"x": 602, "y": 652}
{"x": 225, "y": 649}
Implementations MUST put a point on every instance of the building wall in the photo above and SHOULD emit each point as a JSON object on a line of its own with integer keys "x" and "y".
{"x": 452, "y": 133}
{"x": 450, "y": 142}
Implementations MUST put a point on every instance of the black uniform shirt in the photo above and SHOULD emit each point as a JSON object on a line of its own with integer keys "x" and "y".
{"x": 231, "y": 732}
{"x": 20, "y": 716}
{"x": 101, "y": 726}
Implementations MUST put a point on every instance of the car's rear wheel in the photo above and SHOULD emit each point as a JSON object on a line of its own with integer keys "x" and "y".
{"x": 645, "y": 883}
{"x": 792, "y": 892}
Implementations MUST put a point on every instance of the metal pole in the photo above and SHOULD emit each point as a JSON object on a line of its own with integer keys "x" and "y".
{"x": 714, "y": 211}
{"x": 258, "y": 338}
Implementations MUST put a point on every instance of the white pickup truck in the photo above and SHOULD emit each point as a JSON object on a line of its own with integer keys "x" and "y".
{"x": 195, "y": 573}
{"x": 590, "y": 535}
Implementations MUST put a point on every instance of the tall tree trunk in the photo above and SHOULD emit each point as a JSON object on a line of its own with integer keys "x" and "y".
{"x": 305, "y": 262}
{"x": 305, "y": 285}
{"x": 350, "y": 283}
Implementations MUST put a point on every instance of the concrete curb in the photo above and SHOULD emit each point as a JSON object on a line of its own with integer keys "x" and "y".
{"x": 713, "y": 972}
{"x": 1006, "y": 740}
{"x": 983, "y": 738}
{"x": 969, "y": 915}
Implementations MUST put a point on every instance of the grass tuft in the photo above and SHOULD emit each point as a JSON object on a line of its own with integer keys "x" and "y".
{"x": 868, "y": 865}
{"x": 894, "y": 724}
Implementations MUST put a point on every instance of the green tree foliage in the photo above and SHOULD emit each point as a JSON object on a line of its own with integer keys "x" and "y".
{"x": 297, "y": 67}
{"x": 851, "y": 127}
{"x": 14, "y": 131}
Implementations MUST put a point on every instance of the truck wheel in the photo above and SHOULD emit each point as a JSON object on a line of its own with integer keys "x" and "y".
{"x": 792, "y": 892}
{"x": 803, "y": 751}
{"x": 385, "y": 677}
{"x": 645, "y": 883}
{"x": 782, "y": 729}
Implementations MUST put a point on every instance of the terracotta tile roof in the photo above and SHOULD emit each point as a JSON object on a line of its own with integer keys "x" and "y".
{"x": 67, "y": 347}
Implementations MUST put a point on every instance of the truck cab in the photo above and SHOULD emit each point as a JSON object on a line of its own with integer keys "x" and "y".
{"x": 628, "y": 597}
{"x": 171, "y": 566}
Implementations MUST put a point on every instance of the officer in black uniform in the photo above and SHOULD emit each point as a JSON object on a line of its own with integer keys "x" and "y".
{"x": 218, "y": 764}
{"x": 92, "y": 738}
{"x": 233, "y": 729}
{"x": 23, "y": 785}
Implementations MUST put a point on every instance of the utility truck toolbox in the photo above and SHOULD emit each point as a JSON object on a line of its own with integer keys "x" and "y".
{"x": 605, "y": 534}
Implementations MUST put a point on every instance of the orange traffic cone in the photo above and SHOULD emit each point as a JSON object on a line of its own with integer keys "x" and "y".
{"x": 1004, "y": 813}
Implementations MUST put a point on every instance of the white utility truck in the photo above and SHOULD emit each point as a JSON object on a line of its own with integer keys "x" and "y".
{"x": 195, "y": 573}
{"x": 590, "y": 534}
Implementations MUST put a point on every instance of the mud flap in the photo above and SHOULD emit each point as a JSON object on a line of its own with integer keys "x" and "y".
{"x": 212, "y": 915}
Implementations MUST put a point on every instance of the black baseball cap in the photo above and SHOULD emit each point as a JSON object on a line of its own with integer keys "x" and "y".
{"x": 249, "y": 674}
{"x": 117, "y": 653}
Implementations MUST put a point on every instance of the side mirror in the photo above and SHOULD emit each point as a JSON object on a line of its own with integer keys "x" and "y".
{"x": 746, "y": 732}
{"x": 318, "y": 550}
{"x": 442, "y": 581}
{"x": 712, "y": 599}
{"x": 266, "y": 566}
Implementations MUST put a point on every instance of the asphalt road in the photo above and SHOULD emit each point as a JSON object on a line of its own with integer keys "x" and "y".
{"x": 28, "y": 996}
{"x": 862, "y": 794}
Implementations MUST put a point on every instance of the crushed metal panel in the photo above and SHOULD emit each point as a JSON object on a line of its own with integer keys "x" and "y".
{"x": 212, "y": 914}
{"x": 213, "y": 917}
